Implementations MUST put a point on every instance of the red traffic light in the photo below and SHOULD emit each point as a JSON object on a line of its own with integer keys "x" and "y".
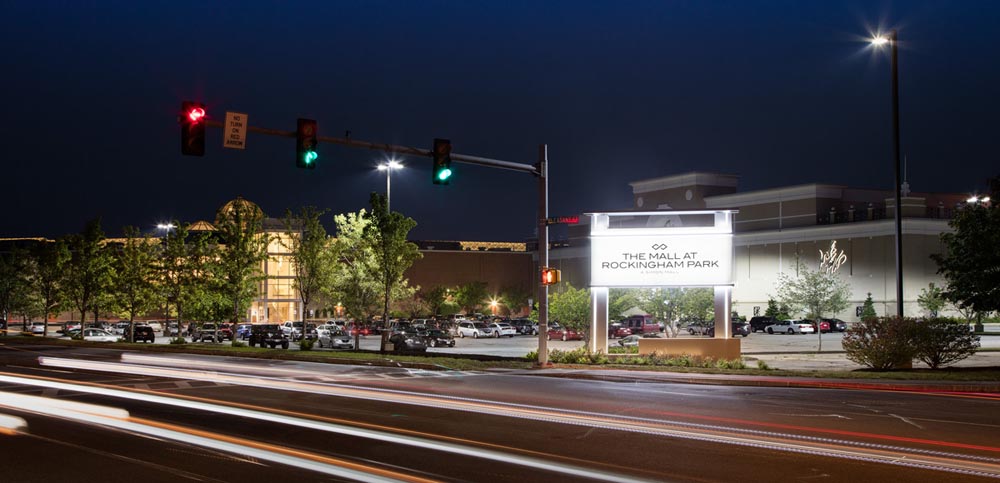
{"x": 196, "y": 114}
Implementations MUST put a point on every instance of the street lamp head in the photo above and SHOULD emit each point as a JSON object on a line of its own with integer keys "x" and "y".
{"x": 391, "y": 164}
{"x": 165, "y": 226}
{"x": 973, "y": 199}
{"x": 879, "y": 40}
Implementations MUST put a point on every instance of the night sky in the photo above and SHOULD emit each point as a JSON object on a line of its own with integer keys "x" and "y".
{"x": 779, "y": 93}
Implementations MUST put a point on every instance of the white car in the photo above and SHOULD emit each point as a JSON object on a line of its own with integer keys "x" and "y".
{"x": 38, "y": 328}
{"x": 468, "y": 328}
{"x": 99, "y": 335}
{"x": 326, "y": 329}
{"x": 503, "y": 329}
{"x": 790, "y": 327}
{"x": 155, "y": 325}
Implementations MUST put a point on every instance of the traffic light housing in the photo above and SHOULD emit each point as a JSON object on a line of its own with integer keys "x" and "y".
{"x": 551, "y": 276}
{"x": 192, "y": 120}
{"x": 305, "y": 145}
{"x": 441, "y": 174}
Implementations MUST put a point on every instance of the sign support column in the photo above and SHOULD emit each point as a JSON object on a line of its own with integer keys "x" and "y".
{"x": 543, "y": 253}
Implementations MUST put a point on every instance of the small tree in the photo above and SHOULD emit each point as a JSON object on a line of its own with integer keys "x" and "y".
{"x": 135, "y": 273}
{"x": 816, "y": 293}
{"x": 470, "y": 296}
{"x": 571, "y": 308}
{"x": 48, "y": 277}
{"x": 392, "y": 254}
{"x": 312, "y": 261}
{"x": 353, "y": 283}
{"x": 881, "y": 343}
{"x": 621, "y": 300}
{"x": 868, "y": 308}
{"x": 182, "y": 266}
{"x": 515, "y": 298}
{"x": 931, "y": 299}
{"x": 237, "y": 267}
{"x": 88, "y": 273}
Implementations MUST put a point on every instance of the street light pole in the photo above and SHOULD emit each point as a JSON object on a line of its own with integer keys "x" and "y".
{"x": 894, "y": 40}
{"x": 388, "y": 167}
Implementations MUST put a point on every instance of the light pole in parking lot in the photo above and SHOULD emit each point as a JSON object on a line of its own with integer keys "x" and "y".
{"x": 893, "y": 40}
{"x": 388, "y": 167}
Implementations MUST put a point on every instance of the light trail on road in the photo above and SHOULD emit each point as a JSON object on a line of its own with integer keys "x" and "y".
{"x": 857, "y": 450}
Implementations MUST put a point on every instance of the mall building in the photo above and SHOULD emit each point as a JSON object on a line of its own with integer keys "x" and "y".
{"x": 775, "y": 227}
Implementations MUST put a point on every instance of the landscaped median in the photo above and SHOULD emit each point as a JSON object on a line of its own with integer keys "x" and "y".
{"x": 744, "y": 371}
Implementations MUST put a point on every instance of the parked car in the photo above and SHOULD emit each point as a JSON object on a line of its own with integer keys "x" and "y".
{"x": 502, "y": 329}
{"x": 172, "y": 329}
{"x": 268, "y": 335}
{"x": 143, "y": 333}
{"x": 761, "y": 322}
{"x": 359, "y": 330}
{"x": 617, "y": 331}
{"x": 824, "y": 326}
{"x": 225, "y": 332}
{"x": 37, "y": 328}
{"x": 157, "y": 327}
{"x": 557, "y": 331}
{"x": 438, "y": 338}
{"x": 524, "y": 326}
{"x": 790, "y": 327}
{"x": 243, "y": 331}
{"x": 738, "y": 328}
{"x": 630, "y": 341}
{"x": 119, "y": 328}
{"x": 641, "y": 324}
{"x": 836, "y": 324}
{"x": 206, "y": 332}
{"x": 699, "y": 327}
{"x": 334, "y": 337}
{"x": 407, "y": 341}
{"x": 70, "y": 327}
{"x": 99, "y": 335}
{"x": 469, "y": 328}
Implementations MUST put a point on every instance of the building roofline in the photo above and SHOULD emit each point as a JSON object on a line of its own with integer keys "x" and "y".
{"x": 703, "y": 178}
{"x": 787, "y": 193}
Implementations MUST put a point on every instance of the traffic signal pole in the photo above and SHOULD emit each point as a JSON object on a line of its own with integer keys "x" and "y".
{"x": 539, "y": 170}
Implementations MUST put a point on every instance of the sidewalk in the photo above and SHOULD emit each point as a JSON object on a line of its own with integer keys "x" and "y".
{"x": 837, "y": 361}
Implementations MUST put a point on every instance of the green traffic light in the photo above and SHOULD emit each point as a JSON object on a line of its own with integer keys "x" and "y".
{"x": 444, "y": 174}
{"x": 311, "y": 156}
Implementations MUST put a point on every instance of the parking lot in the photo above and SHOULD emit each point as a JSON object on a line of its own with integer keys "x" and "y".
{"x": 518, "y": 346}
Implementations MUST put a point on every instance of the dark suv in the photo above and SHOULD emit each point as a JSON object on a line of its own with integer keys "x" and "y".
{"x": 144, "y": 333}
{"x": 268, "y": 335}
{"x": 739, "y": 328}
{"x": 760, "y": 323}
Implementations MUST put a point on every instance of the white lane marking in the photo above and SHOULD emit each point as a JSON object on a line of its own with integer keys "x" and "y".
{"x": 905, "y": 420}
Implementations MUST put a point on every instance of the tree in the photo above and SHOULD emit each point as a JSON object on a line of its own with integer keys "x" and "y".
{"x": 135, "y": 274}
{"x": 515, "y": 298}
{"x": 931, "y": 299}
{"x": 620, "y": 300}
{"x": 815, "y": 293}
{"x": 15, "y": 283}
{"x": 470, "y": 296}
{"x": 181, "y": 266}
{"x": 971, "y": 262}
{"x": 238, "y": 267}
{"x": 697, "y": 304}
{"x": 386, "y": 235}
{"x": 571, "y": 308}
{"x": 868, "y": 308}
{"x": 89, "y": 271}
{"x": 663, "y": 303}
{"x": 312, "y": 262}
{"x": 436, "y": 298}
{"x": 772, "y": 308}
{"x": 354, "y": 283}
{"x": 48, "y": 277}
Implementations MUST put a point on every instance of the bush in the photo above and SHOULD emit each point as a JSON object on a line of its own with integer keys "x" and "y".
{"x": 763, "y": 365}
{"x": 178, "y": 340}
{"x": 941, "y": 341}
{"x": 237, "y": 343}
{"x": 306, "y": 344}
{"x": 881, "y": 343}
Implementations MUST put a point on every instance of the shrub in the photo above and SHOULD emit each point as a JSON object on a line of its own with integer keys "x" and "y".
{"x": 940, "y": 342}
{"x": 306, "y": 344}
{"x": 178, "y": 340}
{"x": 532, "y": 356}
{"x": 237, "y": 343}
{"x": 763, "y": 365}
{"x": 881, "y": 343}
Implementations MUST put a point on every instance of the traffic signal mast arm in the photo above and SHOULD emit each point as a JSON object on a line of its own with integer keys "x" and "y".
{"x": 393, "y": 148}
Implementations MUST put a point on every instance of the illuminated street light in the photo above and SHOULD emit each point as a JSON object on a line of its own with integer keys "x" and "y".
{"x": 973, "y": 199}
{"x": 388, "y": 167}
{"x": 165, "y": 226}
{"x": 893, "y": 41}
